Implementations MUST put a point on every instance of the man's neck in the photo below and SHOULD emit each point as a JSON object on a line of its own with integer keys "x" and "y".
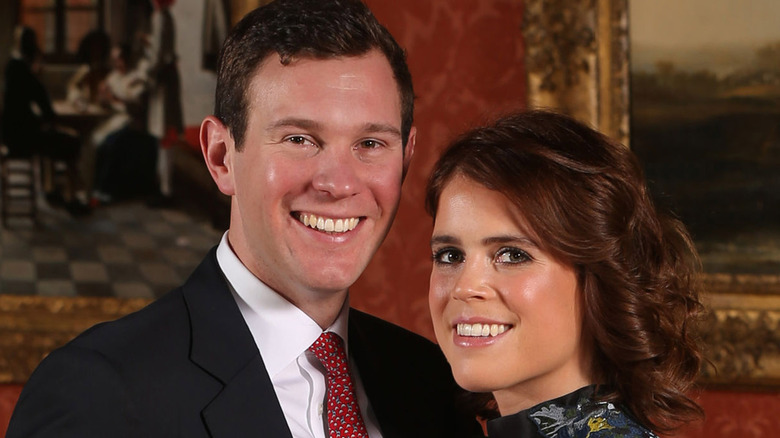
{"x": 321, "y": 305}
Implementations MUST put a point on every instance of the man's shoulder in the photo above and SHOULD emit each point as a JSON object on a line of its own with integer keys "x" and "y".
{"x": 165, "y": 320}
{"x": 161, "y": 321}
{"x": 119, "y": 377}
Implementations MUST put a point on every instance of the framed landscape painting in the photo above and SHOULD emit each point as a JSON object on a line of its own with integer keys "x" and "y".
{"x": 705, "y": 120}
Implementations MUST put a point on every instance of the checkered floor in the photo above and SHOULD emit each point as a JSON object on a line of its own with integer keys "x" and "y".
{"x": 125, "y": 250}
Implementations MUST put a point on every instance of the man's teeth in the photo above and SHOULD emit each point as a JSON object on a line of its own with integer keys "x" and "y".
{"x": 329, "y": 225}
{"x": 481, "y": 329}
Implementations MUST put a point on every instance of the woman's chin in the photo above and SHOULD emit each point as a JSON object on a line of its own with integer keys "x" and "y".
{"x": 473, "y": 384}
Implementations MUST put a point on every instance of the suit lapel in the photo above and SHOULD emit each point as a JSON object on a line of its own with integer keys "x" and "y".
{"x": 247, "y": 407}
{"x": 222, "y": 346}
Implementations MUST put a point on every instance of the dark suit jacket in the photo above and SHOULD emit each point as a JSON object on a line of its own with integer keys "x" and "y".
{"x": 187, "y": 366}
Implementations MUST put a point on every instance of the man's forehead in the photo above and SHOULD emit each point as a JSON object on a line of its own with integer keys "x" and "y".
{"x": 272, "y": 69}
{"x": 349, "y": 81}
{"x": 293, "y": 60}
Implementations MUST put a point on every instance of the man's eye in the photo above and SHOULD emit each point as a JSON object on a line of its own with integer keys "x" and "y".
{"x": 298, "y": 139}
{"x": 512, "y": 256}
{"x": 447, "y": 256}
{"x": 369, "y": 144}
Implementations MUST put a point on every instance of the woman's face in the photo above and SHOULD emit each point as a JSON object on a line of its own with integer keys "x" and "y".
{"x": 507, "y": 315}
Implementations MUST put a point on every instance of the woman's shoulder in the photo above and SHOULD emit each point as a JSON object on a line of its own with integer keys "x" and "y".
{"x": 587, "y": 418}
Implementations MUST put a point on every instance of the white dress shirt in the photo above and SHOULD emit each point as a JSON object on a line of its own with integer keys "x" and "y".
{"x": 283, "y": 334}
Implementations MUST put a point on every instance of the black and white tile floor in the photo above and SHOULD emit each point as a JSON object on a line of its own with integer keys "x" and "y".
{"x": 125, "y": 250}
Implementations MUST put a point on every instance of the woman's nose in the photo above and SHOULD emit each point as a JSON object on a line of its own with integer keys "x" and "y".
{"x": 472, "y": 283}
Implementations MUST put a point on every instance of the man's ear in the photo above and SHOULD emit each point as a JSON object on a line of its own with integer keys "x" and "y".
{"x": 409, "y": 150}
{"x": 218, "y": 149}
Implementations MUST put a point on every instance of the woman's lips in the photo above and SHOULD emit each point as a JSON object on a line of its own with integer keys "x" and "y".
{"x": 481, "y": 329}
{"x": 478, "y": 334}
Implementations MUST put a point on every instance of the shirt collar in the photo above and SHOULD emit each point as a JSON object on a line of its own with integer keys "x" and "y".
{"x": 281, "y": 331}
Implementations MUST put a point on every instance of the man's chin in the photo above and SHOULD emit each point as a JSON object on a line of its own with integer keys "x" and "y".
{"x": 333, "y": 284}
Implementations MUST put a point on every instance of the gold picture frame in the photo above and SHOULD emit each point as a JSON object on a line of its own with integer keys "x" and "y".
{"x": 577, "y": 61}
{"x": 32, "y": 326}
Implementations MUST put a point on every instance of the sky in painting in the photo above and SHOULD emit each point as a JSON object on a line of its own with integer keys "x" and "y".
{"x": 715, "y": 35}
{"x": 696, "y": 23}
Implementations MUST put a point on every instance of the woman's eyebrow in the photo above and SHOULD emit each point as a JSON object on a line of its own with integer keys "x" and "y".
{"x": 509, "y": 238}
{"x": 444, "y": 239}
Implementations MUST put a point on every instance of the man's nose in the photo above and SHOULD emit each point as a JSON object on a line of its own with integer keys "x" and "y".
{"x": 338, "y": 173}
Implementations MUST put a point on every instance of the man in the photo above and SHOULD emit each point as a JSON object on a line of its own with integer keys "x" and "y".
{"x": 311, "y": 138}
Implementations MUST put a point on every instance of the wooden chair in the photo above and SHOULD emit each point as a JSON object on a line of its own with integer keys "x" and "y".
{"x": 18, "y": 186}
{"x": 54, "y": 175}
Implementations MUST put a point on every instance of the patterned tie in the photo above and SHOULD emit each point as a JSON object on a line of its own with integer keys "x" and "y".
{"x": 344, "y": 419}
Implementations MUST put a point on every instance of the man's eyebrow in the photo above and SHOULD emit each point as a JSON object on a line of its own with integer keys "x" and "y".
{"x": 381, "y": 128}
{"x": 308, "y": 124}
{"x": 294, "y": 122}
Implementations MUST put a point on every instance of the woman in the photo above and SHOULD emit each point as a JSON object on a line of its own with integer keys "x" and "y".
{"x": 556, "y": 285}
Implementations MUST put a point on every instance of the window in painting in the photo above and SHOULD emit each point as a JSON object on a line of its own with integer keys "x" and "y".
{"x": 61, "y": 24}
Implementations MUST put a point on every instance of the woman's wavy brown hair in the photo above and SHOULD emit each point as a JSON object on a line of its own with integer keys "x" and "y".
{"x": 586, "y": 199}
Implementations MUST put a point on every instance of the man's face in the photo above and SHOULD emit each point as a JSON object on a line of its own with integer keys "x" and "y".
{"x": 318, "y": 180}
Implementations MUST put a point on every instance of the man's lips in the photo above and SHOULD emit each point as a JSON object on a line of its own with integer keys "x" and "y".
{"x": 328, "y": 224}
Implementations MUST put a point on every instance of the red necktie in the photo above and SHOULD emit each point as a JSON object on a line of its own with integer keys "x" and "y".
{"x": 344, "y": 419}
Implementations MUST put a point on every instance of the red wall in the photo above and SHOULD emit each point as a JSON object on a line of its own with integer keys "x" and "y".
{"x": 736, "y": 415}
{"x": 8, "y": 396}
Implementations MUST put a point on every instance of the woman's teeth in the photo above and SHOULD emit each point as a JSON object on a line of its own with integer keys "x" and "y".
{"x": 481, "y": 329}
{"x": 327, "y": 224}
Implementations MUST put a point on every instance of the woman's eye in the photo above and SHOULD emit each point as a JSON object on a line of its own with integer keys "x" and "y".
{"x": 447, "y": 257}
{"x": 512, "y": 255}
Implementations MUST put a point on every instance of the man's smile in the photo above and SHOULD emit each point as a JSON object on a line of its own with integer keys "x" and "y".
{"x": 329, "y": 225}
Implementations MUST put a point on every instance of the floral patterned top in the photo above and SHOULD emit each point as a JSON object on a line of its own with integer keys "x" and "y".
{"x": 574, "y": 415}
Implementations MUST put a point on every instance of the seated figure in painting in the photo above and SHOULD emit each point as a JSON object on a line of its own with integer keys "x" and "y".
{"x": 126, "y": 156}
{"x": 28, "y": 119}
{"x": 85, "y": 85}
